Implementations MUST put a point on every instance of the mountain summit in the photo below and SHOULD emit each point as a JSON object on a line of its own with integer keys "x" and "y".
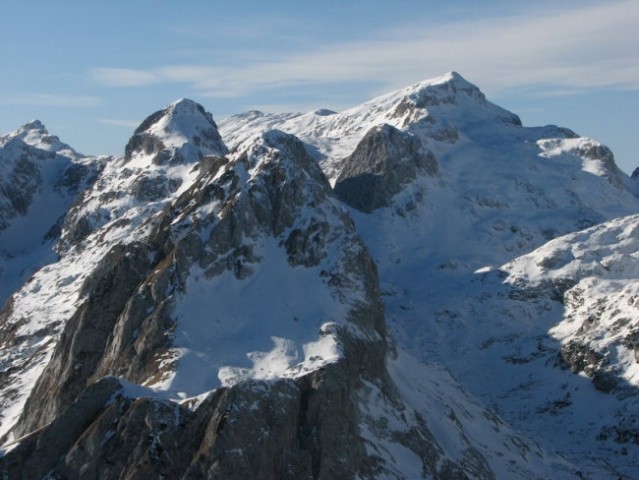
{"x": 183, "y": 131}
{"x": 416, "y": 287}
{"x": 35, "y": 134}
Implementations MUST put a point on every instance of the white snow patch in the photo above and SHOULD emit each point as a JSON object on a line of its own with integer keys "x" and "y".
{"x": 263, "y": 327}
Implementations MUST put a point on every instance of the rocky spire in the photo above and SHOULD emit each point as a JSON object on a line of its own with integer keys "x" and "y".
{"x": 181, "y": 132}
{"x": 35, "y": 134}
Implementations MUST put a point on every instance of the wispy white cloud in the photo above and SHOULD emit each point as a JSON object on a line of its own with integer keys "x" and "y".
{"x": 589, "y": 47}
{"x": 239, "y": 30}
{"x": 124, "y": 77}
{"x": 119, "y": 123}
{"x": 50, "y": 100}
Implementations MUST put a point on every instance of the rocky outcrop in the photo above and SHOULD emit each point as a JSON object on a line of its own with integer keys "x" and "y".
{"x": 81, "y": 346}
{"x": 175, "y": 133}
{"x": 384, "y": 161}
{"x": 20, "y": 186}
{"x": 167, "y": 152}
{"x": 287, "y": 429}
{"x": 592, "y": 274}
{"x": 282, "y": 430}
{"x": 38, "y": 452}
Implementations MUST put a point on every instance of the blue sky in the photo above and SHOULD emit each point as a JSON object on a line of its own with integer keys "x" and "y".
{"x": 91, "y": 71}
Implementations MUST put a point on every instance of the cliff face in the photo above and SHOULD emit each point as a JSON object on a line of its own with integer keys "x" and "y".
{"x": 228, "y": 313}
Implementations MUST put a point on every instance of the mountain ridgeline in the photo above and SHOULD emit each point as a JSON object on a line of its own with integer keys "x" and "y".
{"x": 417, "y": 287}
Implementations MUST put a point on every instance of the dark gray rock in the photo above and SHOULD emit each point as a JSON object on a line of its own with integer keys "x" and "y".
{"x": 581, "y": 357}
{"x": 85, "y": 336}
{"x": 148, "y": 188}
{"x": 79, "y": 176}
{"x": 145, "y": 143}
{"x": 265, "y": 430}
{"x": 38, "y": 452}
{"x": 384, "y": 161}
{"x": 20, "y": 187}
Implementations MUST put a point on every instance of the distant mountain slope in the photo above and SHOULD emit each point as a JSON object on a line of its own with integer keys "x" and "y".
{"x": 40, "y": 178}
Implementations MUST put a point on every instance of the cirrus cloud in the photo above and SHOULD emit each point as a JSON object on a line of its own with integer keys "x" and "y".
{"x": 123, "y": 77}
{"x": 119, "y": 122}
{"x": 50, "y": 100}
{"x": 589, "y": 47}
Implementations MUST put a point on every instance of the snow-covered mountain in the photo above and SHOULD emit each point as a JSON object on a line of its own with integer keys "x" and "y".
{"x": 40, "y": 178}
{"x": 417, "y": 287}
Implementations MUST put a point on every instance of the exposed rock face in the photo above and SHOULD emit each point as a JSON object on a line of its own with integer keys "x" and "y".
{"x": 384, "y": 161}
{"x": 38, "y": 453}
{"x": 282, "y": 430}
{"x": 19, "y": 188}
{"x": 84, "y": 339}
{"x": 288, "y": 429}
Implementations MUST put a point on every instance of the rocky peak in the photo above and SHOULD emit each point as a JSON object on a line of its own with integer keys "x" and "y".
{"x": 35, "y": 164}
{"x": 165, "y": 155}
{"x": 447, "y": 89}
{"x": 35, "y": 134}
{"x": 275, "y": 146}
{"x": 324, "y": 112}
{"x": 182, "y": 132}
{"x": 457, "y": 83}
{"x": 384, "y": 161}
{"x": 34, "y": 124}
{"x": 450, "y": 95}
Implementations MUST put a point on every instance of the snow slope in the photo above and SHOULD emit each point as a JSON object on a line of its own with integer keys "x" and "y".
{"x": 40, "y": 177}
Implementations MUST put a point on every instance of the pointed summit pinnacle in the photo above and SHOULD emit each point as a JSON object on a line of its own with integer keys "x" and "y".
{"x": 183, "y": 128}
{"x": 34, "y": 125}
{"x": 34, "y": 133}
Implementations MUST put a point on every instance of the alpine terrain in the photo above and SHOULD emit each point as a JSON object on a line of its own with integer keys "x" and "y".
{"x": 415, "y": 288}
